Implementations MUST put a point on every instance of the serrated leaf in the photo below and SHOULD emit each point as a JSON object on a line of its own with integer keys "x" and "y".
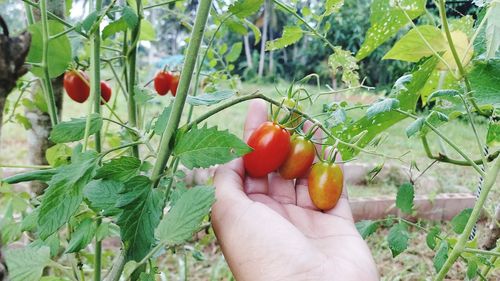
{"x": 235, "y": 52}
{"x": 89, "y": 21}
{"x": 366, "y": 227}
{"x": 161, "y": 122}
{"x": 102, "y": 231}
{"x": 459, "y": 221}
{"x": 386, "y": 20}
{"x": 332, "y": 6}
{"x": 210, "y": 98}
{"x": 204, "y": 147}
{"x": 141, "y": 207}
{"x": 59, "y": 51}
{"x": 342, "y": 60}
{"x": 64, "y": 193}
{"x": 441, "y": 255}
{"x": 412, "y": 48}
{"x": 398, "y": 238}
{"x": 443, "y": 93}
{"x": 235, "y": 25}
{"x": 431, "y": 237}
{"x": 119, "y": 169}
{"x": 381, "y": 106}
{"x": 102, "y": 196}
{"x": 185, "y": 217}
{"x": 291, "y": 35}
{"x": 74, "y": 130}
{"x": 404, "y": 198}
{"x": 493, "y": 30}
{"x": 113, "y": 28}
{"x": 52, "y": 242}
{"x": 27, "y": 264}
{"x": 130, "y": 17}
{"x": 441, "y": 116}
{"x": 255, "y": 30}
{"x": 142, "y": 95}
{"x": 82, "y": 236}
{"x": 336, "y": 118}
{"x": 485, "y": 81}
{"x": 415, "y": 127}
{"x": 471, "y": 269}
{"x": 245, "y": 8}
{"x": 58, "y": 155}
{"x": 493, "y": 135}
{"x": 148, "y": 32}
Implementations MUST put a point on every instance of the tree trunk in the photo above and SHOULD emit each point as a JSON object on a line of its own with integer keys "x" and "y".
{"x": 38, "y": 141}
{"x": 248, "y": 53}
{"x": 264, "y": 38}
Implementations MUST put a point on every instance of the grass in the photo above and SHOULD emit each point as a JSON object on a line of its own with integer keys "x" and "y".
{"x": 414, "y": 264}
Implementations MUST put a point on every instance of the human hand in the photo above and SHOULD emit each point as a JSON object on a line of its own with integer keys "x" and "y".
{"x": 270, "y": 230}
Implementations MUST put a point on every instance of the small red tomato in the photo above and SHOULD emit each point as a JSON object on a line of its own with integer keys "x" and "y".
{"x": 300, "y": 158}
{"x": 325, "y": 182}
{"x": 77, "y": 89}
{"x": 163, "y": 82}
{"x": 174, "y": 85}
{"x": 105, "y": 92}
{"x": 271, "y": 144}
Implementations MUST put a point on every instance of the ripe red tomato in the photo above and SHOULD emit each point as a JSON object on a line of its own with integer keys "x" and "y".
{"x": 300, "y": 158}
{"x": 174, "y": 85}
{"x": 325, "y": 182}
{"x": 163, "y": 82}
{"x": 271, "y": 144}
{"x": 105, "y": 92}
{"x": 77, "y": 89}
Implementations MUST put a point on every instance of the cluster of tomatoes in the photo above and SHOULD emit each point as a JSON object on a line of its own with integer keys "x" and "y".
{"x": 166, "y": 81}
{"x": 76, "y": 83}
{"x": 292, "y": 155}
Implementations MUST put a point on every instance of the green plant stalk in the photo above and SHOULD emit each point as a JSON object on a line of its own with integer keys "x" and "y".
{"x": 98, "y": 255}
{"x": 476, "y": 134}
{"x": 482, "y": 252}
{"x": 160, "y": 4}
{"x": 461, "y": 70}
{"x": 132, "y": 61}
{"x": 489, "y": 181}
{"x": 165, "y": 147}
{"x": 29, "y": 13}
{"x": 49, "y": 92}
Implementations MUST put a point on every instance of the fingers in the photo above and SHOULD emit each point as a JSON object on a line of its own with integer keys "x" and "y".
{"x": 257, "y": 114}
{"x": 228, "y": 181}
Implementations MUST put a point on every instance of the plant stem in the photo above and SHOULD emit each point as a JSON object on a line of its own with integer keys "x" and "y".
{"x": 482, "y": 252}
{"x": 165, "y": 149}
{"x": 98, "y": 255}
{"x": 160, "y": 4}
{"x": 24, "y": 166}
{"x": 49, "y": 92}
{"x": 132, "y": 60}
{"x": 95, "y": 79}
{"x": 489, "y": 181}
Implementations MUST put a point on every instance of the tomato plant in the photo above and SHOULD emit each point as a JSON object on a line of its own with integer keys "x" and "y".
{"x": 271, "y": 144}
{"x": 325, "y": 181}
{"x": 299, "y": 159}
{"x": 164, "y": 82}
{"x": 76, "y": 85}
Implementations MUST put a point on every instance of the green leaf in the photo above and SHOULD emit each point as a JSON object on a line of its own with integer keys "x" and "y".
{"x": 386, "y": 20}
{"x": 245, "y": 8}
{"x": 381, "y": 106}
{"x": 398, "y": 238}
{"x": 332, "y": 6}
{"x": 113, "y": 28}
{"x": 471, "y": 269}
{"x": 64, "y": 194}
{"x": 102, "y": 196}
{"x": 443, "y": 93}
{"x": 235, "y": 25}
{"x": 74, "y": 130}
{"x": 366, "y": 227}
{"x": 142, "y": 95}
{"x": 130, "y": 17}
{"x": 412, "y": 48}
{"x": 404, "y": 198}
{"x": 59, "y": 51}
{"x": 119, "y": 169}
{"x": 40, "y": 175}
{"x": 371, "y": 127}
{"x": 493, "y": 30}
{"x": 431, "y": 237}
{"x": 210, "y": 98}
{"x": 235, "y": 52}
{"x": 89, "y": 21}
{"x": 148, "y": 32}
{"x": 204, "y": 147}
{"x": 459, "y": 221}
{"x": 342, "y": 60}
{"x": 142, "y": 209}
{"x": 161, "y": 122}
{"x": 415, "y": 126}
{"x": 58, "y": 155}
{"x": 82, "y": 236}
{"x": 185, "y": 217}
{"x": 102, "y": 231}
{"x": 52, "y": 242}
{"x": 485, "y": 81}
{"x": 291, "y": 35}
{"x": 493, "y": 135}
{"x": 255, "y": 30}
{"x": 27, "y": 264}
{"x": 20, "y": 119}
{"x": 441, "y": 255}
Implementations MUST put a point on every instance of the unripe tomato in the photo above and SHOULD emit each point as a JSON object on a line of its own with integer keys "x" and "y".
{"x": 271, "y": 144}
{"x": 174, "y": 85}
{"x": 163, "y": 82}
{"x": 325, "y": 182}
{"x": 300, "y": 158}
{"x": 77, "y": 89}
{"x": 105, "y": 92}
{"x": 294, "y": 119}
